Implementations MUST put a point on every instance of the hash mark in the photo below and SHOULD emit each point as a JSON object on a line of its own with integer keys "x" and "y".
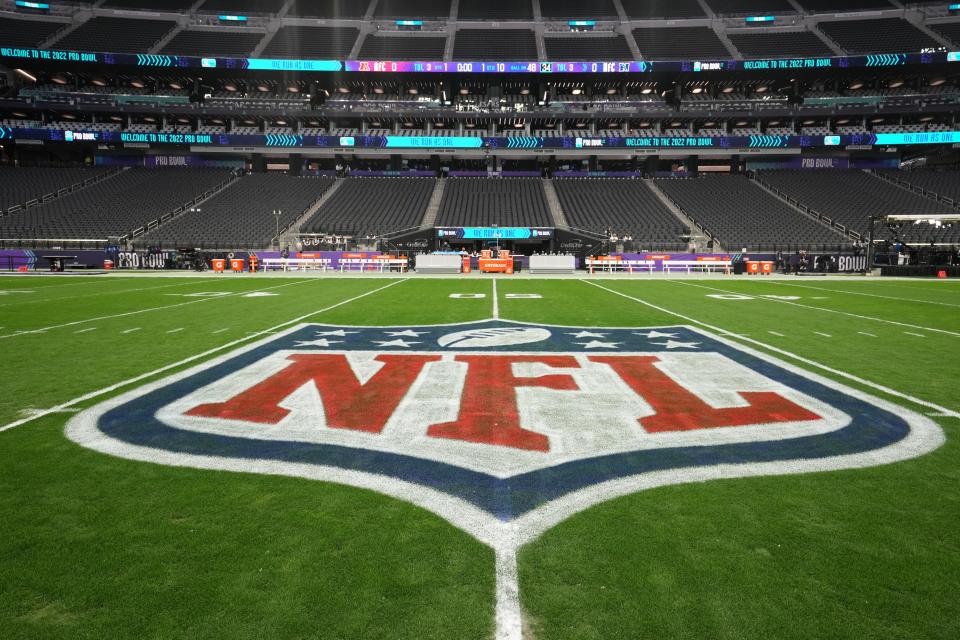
{"x": 864, "y": 333}
{"x": 825, "y": 335}
{"x": 221, "y": 330}
{"x": 86, "y": 330}
{"x": 131, "y": 330}
{"x": 175, "y": 330}
{"x": 776, "y": 334}
{"x": 911, "y": 333}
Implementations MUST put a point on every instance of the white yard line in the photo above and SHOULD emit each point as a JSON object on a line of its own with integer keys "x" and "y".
{"x": 860, "y": 293}
{"x": 849, "y": 376}
{"x": 842, "y": 313}
{"x": 139, "y": 311}
{"x": 98, "y": 293}
{"x": 180, "y": 363}
{"x": 496, "y": 303}
{"x": 508, "y": 612}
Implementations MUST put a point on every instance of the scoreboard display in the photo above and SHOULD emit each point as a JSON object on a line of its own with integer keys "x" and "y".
{"x": 494, "y": 233}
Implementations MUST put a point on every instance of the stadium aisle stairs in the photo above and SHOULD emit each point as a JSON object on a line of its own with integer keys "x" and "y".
{"x": 556, "y": 211}
{"x": 675, "y": 210}
{"x": 433, "y": 207}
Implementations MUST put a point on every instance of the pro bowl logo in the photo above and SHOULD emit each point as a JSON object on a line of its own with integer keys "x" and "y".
{"x": 503, "y": 428}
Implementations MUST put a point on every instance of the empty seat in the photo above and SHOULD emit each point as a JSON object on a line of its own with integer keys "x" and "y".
{"x": 27, "y": 33}
{"x": 495, "y": 10}
{"x": 117, "y": 35}
{"x": 483, "y": 202}
{"x": 679, "y": 43}
{"x": 410, "y": 48}
{"x": 214, "y": 43}
{"x": 646, "y": 9}
{"x": 779, "y": 44}
{"x": 325, "y": 43}
{"x": 372, "y": 206}
{"x": 622, "y": 206}
{"x": 495, "y": 44}
{"x": 739, "y": 213}
{"x": 587, "y": 48}
{"x": 877, "y": 36}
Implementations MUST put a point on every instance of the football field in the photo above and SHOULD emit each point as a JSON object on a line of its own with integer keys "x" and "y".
{"x": 256, "y": 537}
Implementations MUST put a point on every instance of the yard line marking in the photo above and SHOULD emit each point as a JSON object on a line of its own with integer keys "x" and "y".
{"x": 174, "y": 365}
{"x": 509, "y": 616}
{"x": 780, "y": 335}
{"x": 221, "y": 330}
{"x": 911, "y": 333}
{"x": 175, "y": 330}
{"x": 860, "y": 293}
{"x": 81, "y": 330}
{"x": 131, "y": 330}
{"x": 139, "y": 311}
{"x": 825, "y": 335}
{"x": 864, "y": 333}
{"x": 813, "y": 363}
{"x": 496, "y": 304}
{"x": 98, "y": 293}
{"x": 843, "y": 313}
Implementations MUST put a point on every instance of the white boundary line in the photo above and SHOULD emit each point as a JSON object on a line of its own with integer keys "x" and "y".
{"x": 860, "y": 293}
{"x": 843, "y": 313}
{"x": 139, "y": 311}
{"x": 849, "y": 376}
{"x": 144, "y": 376}
{"x": 496, "y": 303}
{"x": 506, "y": 538}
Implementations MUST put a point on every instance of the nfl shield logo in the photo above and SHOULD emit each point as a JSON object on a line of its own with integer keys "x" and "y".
{"x": 503, "y": 428}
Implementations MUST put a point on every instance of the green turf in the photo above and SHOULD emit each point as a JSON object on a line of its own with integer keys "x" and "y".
{"x": 99, "y": 547}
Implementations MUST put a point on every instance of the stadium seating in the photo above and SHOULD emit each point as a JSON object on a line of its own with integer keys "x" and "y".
{"x": 778, "y": 44}
{"x": 877, "y": 36}
{"x": 372, "y": 206}
{"x": 327, "y": 9}
{"x": 679, "y": 43}
{"x": 507, "y": 202}
{"x": 741, "y": 214}
{"x": 242, "y": 6}
{"x": 850, "y": 197}
{"x": 117, "y": 35}
{"x": 167, "y": 5}
{"x": 27, "y": 33}
{"x": 587, "y": 48}
{"x": 564, "y": 9}
{"x": 495, "y": 10}
{"x": 19, "y": 186}
{"x": 753, "y": 7}
{"x": 941, "y": 183}
{"x": 387, "y": 48}
{"x": 414, "y": 9}
{"x": 312, "y": 42}
{"x": 495, "y": 44}
{"x": 835, "y": 6}
{"x": 647, "y": 9}
{"x": 949, "y": 30}
{"x": 214, "y": 43}
{"x": 623, "y": 206}
{"x": 113, "y": 207}
{"x": 241, "y": 215}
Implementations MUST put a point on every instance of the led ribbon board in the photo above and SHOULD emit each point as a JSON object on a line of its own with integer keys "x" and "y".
{"x": 759, "y": 141}
{"x": 484, "y": 67}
